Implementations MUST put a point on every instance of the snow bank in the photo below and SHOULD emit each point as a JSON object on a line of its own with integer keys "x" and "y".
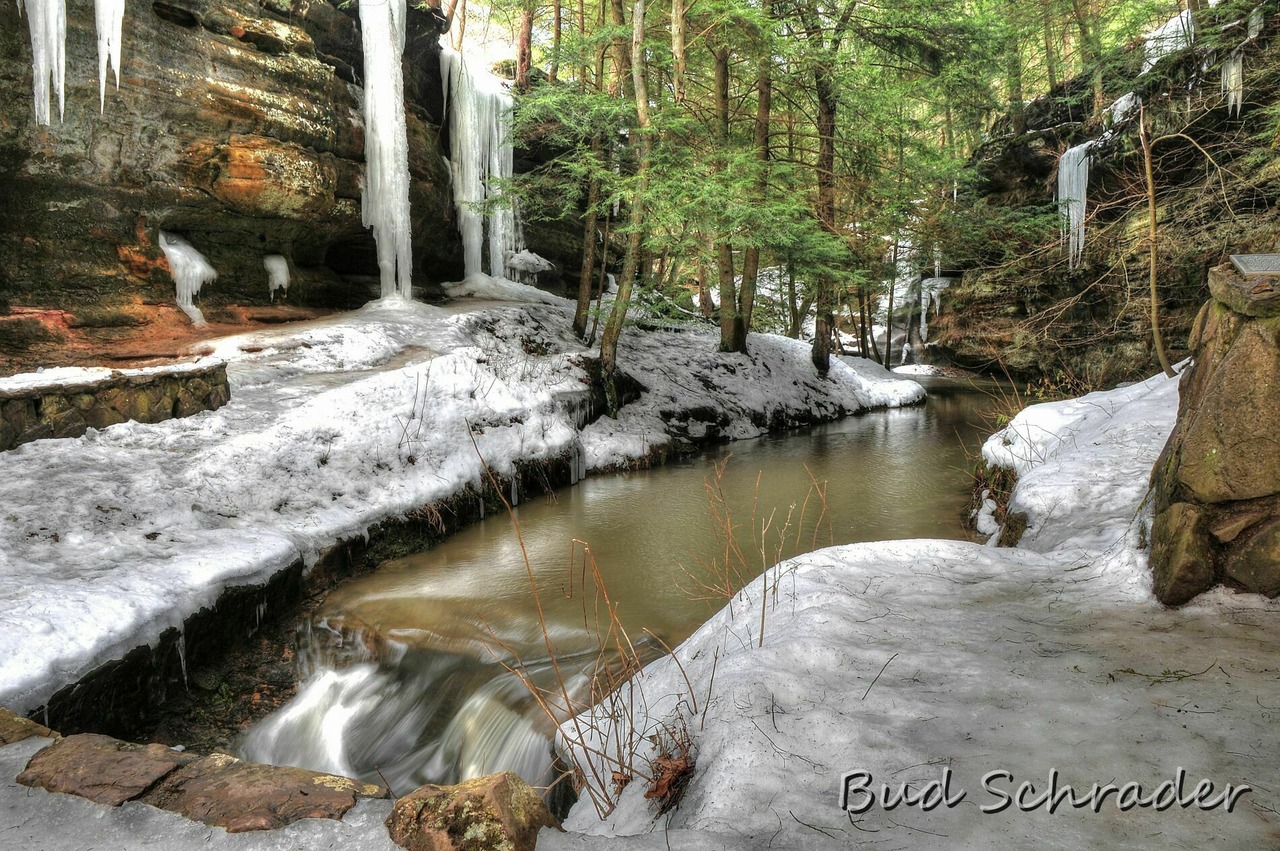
{"x": 332, "y": 426}
{"x": 907, "y": 658}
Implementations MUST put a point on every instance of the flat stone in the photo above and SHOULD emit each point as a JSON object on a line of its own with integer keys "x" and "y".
{"x": 1181, "y": 561}
{"x": 1255, "y": 295}
{"x": 15, "y": 728}
{"x": 100, "y": 768}
{"x": 223, "y": 791}
{"x": 496, "y": 812}
{"x": 1254, "y": 565}
{"x": 1231, "y": 519}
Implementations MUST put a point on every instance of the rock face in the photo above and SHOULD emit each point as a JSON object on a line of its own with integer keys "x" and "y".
{"x": 217, "y": 790}
{"x": 237, "y": 124}
{"x": 1216, "y": 487}
{"x": 496, "y": 813}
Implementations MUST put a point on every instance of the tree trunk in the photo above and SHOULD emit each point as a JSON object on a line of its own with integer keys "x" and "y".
{"x": 1156, "y": 337}
{"x": 613, "y": 328}
{"x": 524, "y": 48}
{"x": 557, "y": 26}
{"x": 677, "y": 50}
{"x": 589, "y": 236}
{"x": 827, "y": 104}
{"x": 751, "y": 260}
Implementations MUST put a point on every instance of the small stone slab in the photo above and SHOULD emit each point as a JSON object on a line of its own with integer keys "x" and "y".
{"x": 222, "y": 791}
{"x": 100, "y": 768}
{"x": 15, "y": 728}
{"x": 1252, "y": 265}
{"x": 1256, "y": 295}
{"x": 496, "y": 812}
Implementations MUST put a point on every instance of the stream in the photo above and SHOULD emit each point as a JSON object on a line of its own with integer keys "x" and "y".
{"x": 421, "y": 671}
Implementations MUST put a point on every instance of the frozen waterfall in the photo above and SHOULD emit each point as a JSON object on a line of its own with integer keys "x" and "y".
{"x": 1073, "y": 187}
{"x": 1177, "y": 33}
{"x": 190, "y": 271}
{"x": 481, "y": 160}
{"x": 1233, "y": 80}
{"x": 385, "y": 203}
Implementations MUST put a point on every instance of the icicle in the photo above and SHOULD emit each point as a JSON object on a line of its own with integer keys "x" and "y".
{"x": 190, "y": 271}
{"x": 1256, "y": 21}
{"x": 1073, "y": 187}
{"x": 1233, "y": 80}
{"x": 110, "y": 21}
{"x": 182, "y": 657}
{"x": 1173, "y": 35}
{"x": 47, "y": 23}
{"x": 515, "y": 495}
{"x": 386, "y": 180}
{"x": 480, "y": 143}
{"x": 277, "y": 273}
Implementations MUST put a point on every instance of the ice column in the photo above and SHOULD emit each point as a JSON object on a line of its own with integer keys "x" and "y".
{"x": 1073, "y": 186}
{"x": 190, "y": 271}
{"x": 386, "y": 181}
{"x": 47, "y": 23}
{"x": 110, "y": 20}
{"x": 480, "y": 144}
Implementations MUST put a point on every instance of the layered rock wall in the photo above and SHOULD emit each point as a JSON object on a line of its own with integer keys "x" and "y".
{"x": 238, "y": 125}
{"x": 1216, "y": 487}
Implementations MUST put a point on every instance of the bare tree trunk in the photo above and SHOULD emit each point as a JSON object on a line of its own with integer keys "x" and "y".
{"x": 731, "y": 340}
{"x": 590, "y": 227}
{"x": 678, "y": 64}
{"x": 613, "y": 328}
{"x": 751, "y": 260}
{"x": 524, "y": 48}
{"x": 1156, "y": 336}
{"x": 557, "y": 26}
{"x": 827, "y": 104}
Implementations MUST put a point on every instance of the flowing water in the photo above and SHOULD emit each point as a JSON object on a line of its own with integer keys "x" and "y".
{"x": 416, "y": 673}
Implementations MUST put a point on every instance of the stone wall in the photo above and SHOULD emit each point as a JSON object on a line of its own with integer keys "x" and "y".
{"x": 59, "y": 408}
{"x": 1216, "y": 487}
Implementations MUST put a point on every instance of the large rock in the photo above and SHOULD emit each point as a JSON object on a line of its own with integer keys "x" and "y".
{"x": 1216, "y": 486}
{"x": 15, "y": 728}
{"x": 217, "y": 790}
{"x": 237, "y": 123}
{"x": 225, "y": 792}
{"x": 100, "y": 768}
{"x": 496, "y": 813}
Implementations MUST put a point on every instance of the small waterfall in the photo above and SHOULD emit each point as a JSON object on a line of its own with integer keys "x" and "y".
{"x": 1073, "y": 187}
{"x": 480, "y": 109}
{"x": 381, "y": 712}
{"x": 1177, "y": 33}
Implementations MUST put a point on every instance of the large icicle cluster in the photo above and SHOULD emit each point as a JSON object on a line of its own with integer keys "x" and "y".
{"x": 386, "y": 181}
{"x": 480, "y": 142}
{"x": 1233, "y": 66}
{"x": 190, "y": 271}
{"x": 1173, "y": 35}
{"x": 47, "y": 23}
{"x": 1073, "y": 187}
{"x": 110, "y": 20}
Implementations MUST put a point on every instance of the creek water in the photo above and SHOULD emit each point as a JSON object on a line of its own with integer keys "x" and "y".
{"x": 420, "y": 671}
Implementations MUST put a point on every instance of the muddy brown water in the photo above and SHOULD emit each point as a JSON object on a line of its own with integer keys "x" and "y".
{"x": 408, "y": 671}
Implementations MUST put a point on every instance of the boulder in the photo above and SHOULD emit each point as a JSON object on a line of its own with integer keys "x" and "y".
{"x": 15, "y": 728}
{"x": 1185, "y": 564}
{"x": 100, "y": 768}
{"x": 1216, "y": 487}
{"x": 496, "y": 813}
{"x": 222, "y": 791}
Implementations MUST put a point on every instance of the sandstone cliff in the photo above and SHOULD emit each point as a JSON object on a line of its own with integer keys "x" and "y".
{"x": 236, "y": 124}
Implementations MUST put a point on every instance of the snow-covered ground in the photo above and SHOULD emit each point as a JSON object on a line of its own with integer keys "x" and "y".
{"x": 109, "y": 539}
{"x": 908, "y": 660}
{"x": 903, "y": 660}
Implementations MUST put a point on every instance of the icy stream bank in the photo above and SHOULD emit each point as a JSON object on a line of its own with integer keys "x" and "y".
{"x": 332, "y": 427}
